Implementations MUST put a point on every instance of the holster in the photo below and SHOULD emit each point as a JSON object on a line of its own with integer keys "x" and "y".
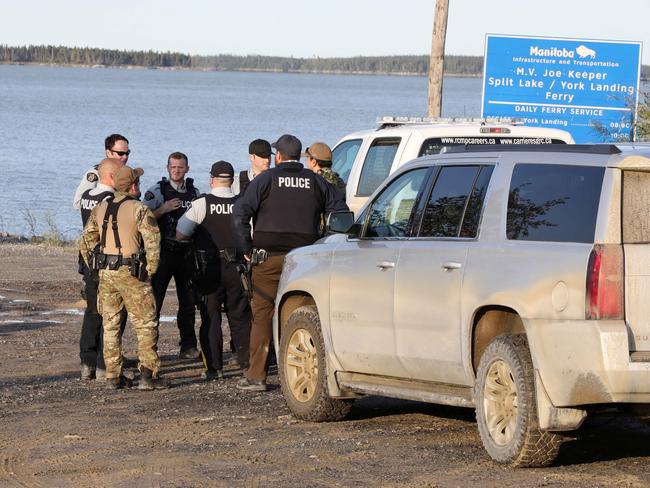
{"x": 231, "y": 255}
{"x": 138, "y": 266}
{"x": 246, "y": 279}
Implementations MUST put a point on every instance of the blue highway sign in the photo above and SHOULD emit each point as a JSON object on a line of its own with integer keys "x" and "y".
{"x": 570, "y": 84}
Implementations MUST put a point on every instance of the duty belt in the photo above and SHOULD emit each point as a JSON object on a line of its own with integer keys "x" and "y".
{"x": 113, "y": 261}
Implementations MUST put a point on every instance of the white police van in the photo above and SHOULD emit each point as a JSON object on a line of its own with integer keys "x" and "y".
{"x": 364, "y": 159}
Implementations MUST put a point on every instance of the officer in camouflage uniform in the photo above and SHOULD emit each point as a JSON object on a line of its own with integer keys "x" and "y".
{"x": 319, "y": 160}
{"x": 126, "y": 232}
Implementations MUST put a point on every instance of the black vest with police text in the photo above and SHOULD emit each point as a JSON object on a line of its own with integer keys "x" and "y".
{"x": 167, "y": 222}
{"x": 218, "y": 227}
{"x": 293, "y": 205}
{"x": 88, "y": 202}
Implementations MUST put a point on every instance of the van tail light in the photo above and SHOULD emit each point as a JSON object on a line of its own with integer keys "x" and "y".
{"x": 605, "y": 283}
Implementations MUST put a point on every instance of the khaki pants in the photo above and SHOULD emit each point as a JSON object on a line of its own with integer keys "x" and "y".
{"x": 266, "y": 277}
{"x": 118, "y": 289}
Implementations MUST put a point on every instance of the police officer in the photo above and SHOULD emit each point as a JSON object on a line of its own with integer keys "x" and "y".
{"x": 259, "y": 154}
{"x": 129, "y": 252}
{"x": 211, "y": 222}
{"x": 169, "y": 199}
{"x": 90, "y": 342}
{"x": 319, "y": 160}
{"x": 116, "y": 147}
{"x": 286, "y": 204}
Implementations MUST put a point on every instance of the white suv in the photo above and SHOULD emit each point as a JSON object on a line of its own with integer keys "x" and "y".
{"x": 365, "y": 158}
{"x": 515, "y": 281}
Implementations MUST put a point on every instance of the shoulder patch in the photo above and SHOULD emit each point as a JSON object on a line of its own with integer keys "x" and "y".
{"x": 92, "y": 177}
{"x": 149, "y": 195}
{"x": 151, "y": 220}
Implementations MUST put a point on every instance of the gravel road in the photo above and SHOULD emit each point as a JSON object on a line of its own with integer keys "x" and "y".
{"x": 57, "y": 430}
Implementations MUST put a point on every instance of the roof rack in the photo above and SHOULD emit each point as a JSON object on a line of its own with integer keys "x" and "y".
{"x": 394, "y": 121}
{"x": 565, "y": 148}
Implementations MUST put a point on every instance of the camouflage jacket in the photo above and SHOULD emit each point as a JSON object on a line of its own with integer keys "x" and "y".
{"x": 333, "y": 178}
{"x": 147, "y": 227}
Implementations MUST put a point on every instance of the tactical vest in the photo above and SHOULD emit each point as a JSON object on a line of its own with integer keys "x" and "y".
{"x": 293, "y": 204}
{"x": 244, "y": 181}
{"x": 124, "y": 228}
{"x": 217, "y": 231}
{"x": 167, "y": 222}
{"x": 88, "y": 202}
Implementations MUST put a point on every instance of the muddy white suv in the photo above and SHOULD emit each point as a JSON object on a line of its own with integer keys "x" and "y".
{"x": 515, "y": 281}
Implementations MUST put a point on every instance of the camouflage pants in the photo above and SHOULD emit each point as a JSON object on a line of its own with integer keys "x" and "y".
{"x": 118, "y": 289}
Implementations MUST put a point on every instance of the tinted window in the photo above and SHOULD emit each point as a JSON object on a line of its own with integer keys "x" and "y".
{"x": 343, "y": 157}
{"x": 377, "y": 165}
{"x": 550, "y": 202}
{"x": 446, "y": 206}
{"x": 472, "y": 216}
{"x": 436, "y": 145}
{"x": 390, "y": 213}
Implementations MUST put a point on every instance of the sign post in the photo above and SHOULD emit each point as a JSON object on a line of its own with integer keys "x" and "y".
{"x": 587, "y": 87}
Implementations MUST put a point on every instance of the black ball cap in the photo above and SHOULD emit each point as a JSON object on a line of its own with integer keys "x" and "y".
{"x": 290, "y": 146}
{"x": 222, "y": 169}
{"x": 260, "y": 147}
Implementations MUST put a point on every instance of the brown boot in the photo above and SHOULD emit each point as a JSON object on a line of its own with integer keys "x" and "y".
{"x": 148, "y": 382}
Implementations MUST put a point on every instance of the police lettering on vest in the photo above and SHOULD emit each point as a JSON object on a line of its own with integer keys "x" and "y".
{"x": 294, "y": 182}
{"x": 88, "y": 202}
{"x": 167, "y": 222}
{"x": 220, "y": 208}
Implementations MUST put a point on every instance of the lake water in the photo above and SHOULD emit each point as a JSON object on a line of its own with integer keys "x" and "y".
{"x": 53, "y": 122}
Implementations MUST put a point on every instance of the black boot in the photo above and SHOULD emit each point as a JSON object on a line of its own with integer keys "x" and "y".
{"x": 148, "y": 382}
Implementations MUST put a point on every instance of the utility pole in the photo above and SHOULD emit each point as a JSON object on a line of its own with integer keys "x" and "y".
{"x": 436, "y": 69}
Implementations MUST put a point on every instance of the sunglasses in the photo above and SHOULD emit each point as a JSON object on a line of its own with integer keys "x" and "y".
{"x": 121, "y": 153}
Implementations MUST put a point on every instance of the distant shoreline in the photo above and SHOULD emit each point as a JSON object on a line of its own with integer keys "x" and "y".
{"x": 236, "y": 70}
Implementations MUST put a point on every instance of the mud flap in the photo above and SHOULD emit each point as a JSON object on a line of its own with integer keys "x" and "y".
{"x": 552, "y": 418}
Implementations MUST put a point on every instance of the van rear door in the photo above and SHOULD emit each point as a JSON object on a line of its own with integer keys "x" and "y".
{"x": 635, "y": 236}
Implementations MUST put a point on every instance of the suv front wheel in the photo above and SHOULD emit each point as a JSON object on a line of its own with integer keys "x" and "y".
{"x": 302, "y": 369}
{"x": 506, "y": 407}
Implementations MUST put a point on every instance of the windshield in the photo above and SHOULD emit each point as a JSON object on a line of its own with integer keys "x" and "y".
{"x": 343, "y": 157}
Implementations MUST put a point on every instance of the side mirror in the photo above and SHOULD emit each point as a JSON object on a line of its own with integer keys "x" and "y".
{"x": 340, "y": 222}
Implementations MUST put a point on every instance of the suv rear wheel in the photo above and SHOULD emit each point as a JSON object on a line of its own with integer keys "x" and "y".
{"x": 506, "y": 407}
{"x": 303, "y": 374}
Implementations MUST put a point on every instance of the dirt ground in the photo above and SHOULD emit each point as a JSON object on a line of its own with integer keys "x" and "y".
{"x": 57, "y": 430}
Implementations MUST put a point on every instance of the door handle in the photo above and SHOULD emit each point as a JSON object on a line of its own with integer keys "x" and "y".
{"x": 449, "y": 265}
{"x": 384, "y": 265}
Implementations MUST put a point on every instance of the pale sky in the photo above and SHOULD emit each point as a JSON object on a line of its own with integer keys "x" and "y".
{"x": 304, "y": 28}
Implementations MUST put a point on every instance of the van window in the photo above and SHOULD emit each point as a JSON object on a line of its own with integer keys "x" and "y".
{"x": 449, "y": 205}
{"x": 343, "y": 157}
{"x": 390, "y": 213}
{"x": 437, "y": 145}
{"x": 550, "y": 202}
{"x": 636, "y": 205}
{"x": 377, "y": 165}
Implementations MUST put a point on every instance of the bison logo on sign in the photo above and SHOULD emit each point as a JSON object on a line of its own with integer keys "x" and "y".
{"x": 584, "y": 51}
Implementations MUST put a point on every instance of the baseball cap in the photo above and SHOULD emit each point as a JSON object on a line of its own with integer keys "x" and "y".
{"x": 125, "y": 176}
{"x": 318, "y": 150}
{"x": 260, "y": 147}
{"x": 290, "y": 146}
{"x": 222, "y": 169}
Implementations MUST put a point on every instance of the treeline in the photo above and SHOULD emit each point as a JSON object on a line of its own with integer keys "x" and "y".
{"x": 410, "y": 65}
